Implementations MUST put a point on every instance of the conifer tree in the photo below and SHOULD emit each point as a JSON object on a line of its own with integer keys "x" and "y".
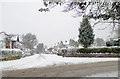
{"x": 86, "y": 36}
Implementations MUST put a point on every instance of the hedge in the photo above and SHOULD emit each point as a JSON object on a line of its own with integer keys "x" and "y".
{"x": 11, "y": 58}
{"x": 93, "y": 52}
{"x": 98, "y": 50}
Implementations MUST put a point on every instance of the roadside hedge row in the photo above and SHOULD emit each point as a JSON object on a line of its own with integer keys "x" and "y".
{"x": 93, "y": 55}
{"x": 11, "y": 58}
{"x": 98, "y": 50}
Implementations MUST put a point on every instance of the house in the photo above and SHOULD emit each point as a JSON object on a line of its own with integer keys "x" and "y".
{"x": 64, "y": 44}
{"x": 8, "y": 41}
{"x": 10, "y": 46}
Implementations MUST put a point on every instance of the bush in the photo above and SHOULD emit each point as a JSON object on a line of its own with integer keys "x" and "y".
{"x": 113, "y": 43}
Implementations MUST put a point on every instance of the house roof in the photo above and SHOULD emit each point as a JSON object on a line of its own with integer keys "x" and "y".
{"x": 66, "y": 42}
{"x": 4, "y": 35}
{"x": 14, "y": 38}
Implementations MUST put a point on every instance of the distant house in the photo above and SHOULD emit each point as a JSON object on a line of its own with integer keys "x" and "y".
{"x": 8, "y": 41}
{"x": 64, "y": 44}
{"x": 61, "y": 45}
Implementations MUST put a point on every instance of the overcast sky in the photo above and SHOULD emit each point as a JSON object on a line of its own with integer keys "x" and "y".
{"x": 21, "y": 17}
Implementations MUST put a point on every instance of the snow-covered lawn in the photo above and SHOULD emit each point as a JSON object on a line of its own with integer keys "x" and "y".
{"x": 44, "y": 60}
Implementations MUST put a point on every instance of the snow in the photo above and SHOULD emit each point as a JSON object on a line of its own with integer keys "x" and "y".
{"x": 45, "y": 60}
{"x": 14, "y": 38}
{"x": 10, "y": 49}
{"x": 108, "y": 74}
{"x": 104, "y": 47}
{"x": 17, "y": 50}
{"x": 0, "y": 71}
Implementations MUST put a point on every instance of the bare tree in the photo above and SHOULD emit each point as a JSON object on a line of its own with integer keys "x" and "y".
{"x": 117, "y": 32}
{"x": 40, "y": 48}
{"x": 29, "y": 41}
{"x": 100, "y": 42}
{"x": 73, "y": 43}
{"x": 102, "y": 10}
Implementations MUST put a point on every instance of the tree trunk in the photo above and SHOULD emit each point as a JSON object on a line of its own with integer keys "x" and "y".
{"x": 85, "y": 46}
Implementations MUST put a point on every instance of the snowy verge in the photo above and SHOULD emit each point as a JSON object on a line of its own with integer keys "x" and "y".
{"x": 109, "y": 74}
{"x": 0, "y": 71}
{"x": 45, "y": 60}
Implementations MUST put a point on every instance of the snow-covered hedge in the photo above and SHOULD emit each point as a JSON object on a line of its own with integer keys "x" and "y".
{"x": 92, "y": 52}
{"x": 99, "y": 50}
{"x": 10, "y": 53}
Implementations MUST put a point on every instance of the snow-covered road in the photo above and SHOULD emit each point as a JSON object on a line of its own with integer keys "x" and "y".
{"x": 44, "y": 60}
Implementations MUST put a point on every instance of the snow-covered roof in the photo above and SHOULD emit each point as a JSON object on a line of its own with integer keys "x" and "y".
{"x": 14, "y": 38}
{"x": 4, "y": 35}
{"x": 75, "y": 39}
{"x": 66, "y": 42}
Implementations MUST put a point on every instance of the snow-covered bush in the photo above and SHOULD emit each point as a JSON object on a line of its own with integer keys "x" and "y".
{"x": 114, "y": 42}
{"x": 11, "y": 53}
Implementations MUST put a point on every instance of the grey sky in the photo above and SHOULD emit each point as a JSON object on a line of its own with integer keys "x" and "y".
{"x": 50, "y": 27}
